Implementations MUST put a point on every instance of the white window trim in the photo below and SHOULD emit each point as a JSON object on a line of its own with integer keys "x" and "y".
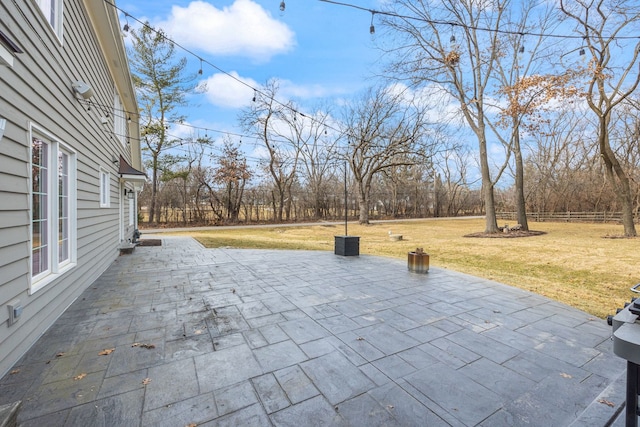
{"x": 57, "y": 26}
{"x": 119, "y": 120}
{"x": 104, "y": 179}
{"x": 55, "y": 269}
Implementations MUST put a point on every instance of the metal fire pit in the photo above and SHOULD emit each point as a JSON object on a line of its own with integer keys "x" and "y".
{"x": 418, "y": 261}
{"x": 626, "y": 344}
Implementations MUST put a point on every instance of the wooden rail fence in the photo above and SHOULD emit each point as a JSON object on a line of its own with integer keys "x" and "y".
{"x": 565, "y": 216}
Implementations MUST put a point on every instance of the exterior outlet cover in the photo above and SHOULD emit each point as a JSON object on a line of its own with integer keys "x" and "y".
{"x": 15, "y": 310}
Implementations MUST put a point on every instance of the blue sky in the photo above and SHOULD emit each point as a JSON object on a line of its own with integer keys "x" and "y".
{"x": 317, "y": 50}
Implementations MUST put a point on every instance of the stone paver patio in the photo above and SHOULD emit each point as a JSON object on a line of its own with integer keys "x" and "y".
{"x": 180, "y": 335}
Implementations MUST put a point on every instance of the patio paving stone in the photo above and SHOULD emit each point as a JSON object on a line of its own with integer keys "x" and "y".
{"x": 230, "y": 337}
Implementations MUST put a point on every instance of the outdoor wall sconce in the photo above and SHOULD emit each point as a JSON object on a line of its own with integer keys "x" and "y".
{"x": 82, "y": 89}
{"x": 128, "y": 193}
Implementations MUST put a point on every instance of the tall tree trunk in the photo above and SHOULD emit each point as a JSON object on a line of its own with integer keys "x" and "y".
{"x": 363, "y": 205}
{"x": 491, "y": 222}
{"x": 618, "y": 178}
{"x": 521, "y": 208}
{"x": 154, "y": 191}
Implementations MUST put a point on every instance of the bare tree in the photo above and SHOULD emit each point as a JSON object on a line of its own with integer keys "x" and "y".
{"x": 460, "y": 58}
{"x": 232, "y": 173}
{"x": 265, "y": 118}
{"x": 317, "y": 147}
{"x": 527, "y": 92}
{"x": 452, "y": 181}
{"x": 613, "y": 74}
{"x": 563, "y": 172}
{"x": 383, "y": 128}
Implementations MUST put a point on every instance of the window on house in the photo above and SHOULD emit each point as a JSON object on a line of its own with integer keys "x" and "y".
{"x": 105, "y": 190}
{"x": 119, "y": 120}
{"x": 132, "y": 211}
{"x": 52, "y": 10}
{"x": 63, "y": 207}
{"x": 40, "y": 207}
{"x": 53, "y": 246}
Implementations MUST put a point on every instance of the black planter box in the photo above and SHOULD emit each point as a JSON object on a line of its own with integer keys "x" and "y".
{"x": 347, "y": 245}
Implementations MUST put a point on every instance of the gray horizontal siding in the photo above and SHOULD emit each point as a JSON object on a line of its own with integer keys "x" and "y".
{"x": 38, "y": 90}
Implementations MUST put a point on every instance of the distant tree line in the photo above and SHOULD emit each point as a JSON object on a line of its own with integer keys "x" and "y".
{"x": 488, "y": 113}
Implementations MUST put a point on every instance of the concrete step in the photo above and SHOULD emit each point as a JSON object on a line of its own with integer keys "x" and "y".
{"x": 605, "y": 408}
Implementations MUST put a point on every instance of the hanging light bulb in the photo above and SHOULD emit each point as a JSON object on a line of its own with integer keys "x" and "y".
{"x": 200, "y": 70}
{"x": 581, "y": 52}
{"x": 372, "y": 29}
{"x": 282, "y": 6}
{"x": 521, "y": 43}
{"x": 254, "y": 95}
{"x": 452, "y": 39}
{"x": 126, "y": 26}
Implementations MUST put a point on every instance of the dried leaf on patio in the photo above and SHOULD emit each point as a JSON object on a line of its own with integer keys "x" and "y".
{"x": 197, "y": 331}
{"x": 563, "y": 375}
{"x": 106, "y": 351}
{"x": 15, "y": 371}
{"x": 135, "y": 344}
{"x": 146, "y": 381}
{"x": 79, "y": 377}
{"x": 606, "y": 402}
{"x": 148, "y": 346}
{"x": 390, "y": 406}
{"x": 360, "y": 339}
{"x": 60, "y": 354}
{"x": 192, "y": 425}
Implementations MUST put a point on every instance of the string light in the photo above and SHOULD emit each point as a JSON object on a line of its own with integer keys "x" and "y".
{"x": 254, "y": 95}
{"x": 282, "y": 6}
{"x": 521, "y": 50}
{"x": 126, "y": 26}
{"x": 200, "y": 70}
{"x": 372, "y": 29}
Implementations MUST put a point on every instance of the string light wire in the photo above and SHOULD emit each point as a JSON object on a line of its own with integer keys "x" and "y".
{"x": 222, "y": 71}
{"x": 458, "y": 24}
{"x": 373, "y": 12}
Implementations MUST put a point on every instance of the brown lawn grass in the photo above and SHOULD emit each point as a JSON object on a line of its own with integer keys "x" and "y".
{"x": 571, "y": 263}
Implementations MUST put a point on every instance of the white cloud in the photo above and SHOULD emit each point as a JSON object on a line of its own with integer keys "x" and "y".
{"x": 242, "y": 29}
{"x": 225, "y": 91}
